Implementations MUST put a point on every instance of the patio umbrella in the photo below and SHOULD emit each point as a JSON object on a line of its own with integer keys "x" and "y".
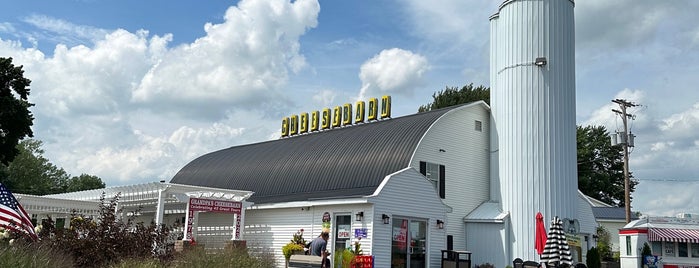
{"x": 556, "y": 250}
{"x": 540, "y": 234}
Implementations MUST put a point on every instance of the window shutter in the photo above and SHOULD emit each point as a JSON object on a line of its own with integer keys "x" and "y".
{"x": 442, "y": 188}
{"x": 423, "y": 168}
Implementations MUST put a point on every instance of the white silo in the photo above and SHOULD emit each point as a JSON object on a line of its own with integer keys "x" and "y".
{"x": 533, "y": 106}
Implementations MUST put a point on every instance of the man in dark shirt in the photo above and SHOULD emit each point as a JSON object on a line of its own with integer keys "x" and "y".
{"x": 319, "y": 248}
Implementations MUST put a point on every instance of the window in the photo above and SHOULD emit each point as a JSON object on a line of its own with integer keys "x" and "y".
{"x": 628, "y": 246}
{"x": 657, "y": 248}
{"x": 695, "y": 250}
{"x": 435, "y": 174}
{"x": 669, "y": 249}
{"x": 479, "y": 126}
{"x": 682, "y": 250}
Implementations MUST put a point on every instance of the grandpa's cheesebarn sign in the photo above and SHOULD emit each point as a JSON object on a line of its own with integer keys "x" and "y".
{"x": 337, "y": 117}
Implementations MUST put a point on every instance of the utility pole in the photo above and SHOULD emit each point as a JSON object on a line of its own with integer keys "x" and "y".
{"x": 627, "y": 141}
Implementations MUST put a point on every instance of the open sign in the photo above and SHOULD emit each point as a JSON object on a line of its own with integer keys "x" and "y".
{"x": 343, "y": 234}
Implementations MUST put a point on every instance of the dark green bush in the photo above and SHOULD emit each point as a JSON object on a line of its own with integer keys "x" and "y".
{"x": 646, "y": 250}
{"x": 594, "y": 259}
{"x": 485, "y": 265}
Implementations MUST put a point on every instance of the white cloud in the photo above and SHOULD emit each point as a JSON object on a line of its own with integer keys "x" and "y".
{"x": 126, "y": 107}
{"x": 633, "y": 22}
{"x": 63, "y": 31}
{"x": 239, "y": 62}
{"x": 324, "y": 98}
{"x": 683, "y": 123}
{"x": 7, "y": 27}
{"x": 452, "y": 22}
{"x": 661, "y": 198}
{"x": 393, "y": 71}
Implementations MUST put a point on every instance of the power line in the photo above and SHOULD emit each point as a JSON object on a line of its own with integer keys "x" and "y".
{"x": 671, "y": 180}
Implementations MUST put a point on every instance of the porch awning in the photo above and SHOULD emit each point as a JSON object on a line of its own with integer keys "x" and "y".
{"x": 673, "y": 235}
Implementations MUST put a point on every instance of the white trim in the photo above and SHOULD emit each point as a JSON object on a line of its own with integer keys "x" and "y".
{"x": 327, "y": 202}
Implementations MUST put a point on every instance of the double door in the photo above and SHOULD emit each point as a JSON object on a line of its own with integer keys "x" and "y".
{"x": 409, "y": 245}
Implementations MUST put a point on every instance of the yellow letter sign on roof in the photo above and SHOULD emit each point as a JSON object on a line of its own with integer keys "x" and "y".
{"x": 359, "y": 118}
{"x": 385, "y": 106}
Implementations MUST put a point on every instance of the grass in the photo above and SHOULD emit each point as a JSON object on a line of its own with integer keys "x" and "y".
{"x": 25, "y": 255}
{"x": 31, "y": 256}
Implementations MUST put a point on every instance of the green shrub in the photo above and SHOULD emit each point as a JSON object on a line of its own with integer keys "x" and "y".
{"x": 232, "y": 258}
{"x": 289, "y": 249}
{"x": 593, "y": 258}
{"x": 485, "y": 265}
{"x": 604, "y": 244}
{"x": 646, "y": 250}
{"x": 139, "y": 263}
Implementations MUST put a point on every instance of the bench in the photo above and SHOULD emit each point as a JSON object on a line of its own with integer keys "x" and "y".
{"x": 304, "y": 261}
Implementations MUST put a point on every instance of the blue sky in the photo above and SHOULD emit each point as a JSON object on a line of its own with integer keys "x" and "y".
{"x": 131, "y": 91}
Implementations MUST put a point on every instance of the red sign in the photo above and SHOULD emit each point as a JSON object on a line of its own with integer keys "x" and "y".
{"x": 679, "y": 266}
{"x": 401, "y": 235}
{"x": 363, "y": 261}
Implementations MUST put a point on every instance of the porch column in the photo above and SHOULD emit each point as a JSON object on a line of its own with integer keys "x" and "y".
{"x": 160, "y": 208}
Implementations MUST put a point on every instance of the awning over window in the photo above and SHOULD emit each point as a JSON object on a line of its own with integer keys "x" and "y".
{"x": 673, "y": 235}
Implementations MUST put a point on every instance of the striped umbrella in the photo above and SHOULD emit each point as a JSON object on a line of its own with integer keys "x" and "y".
{"x": 556, "y": 250}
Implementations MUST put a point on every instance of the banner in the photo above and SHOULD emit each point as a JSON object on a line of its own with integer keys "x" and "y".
{"x": 218, "y": 206}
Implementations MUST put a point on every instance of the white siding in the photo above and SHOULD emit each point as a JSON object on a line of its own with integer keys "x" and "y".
{"x": 613, "y": 228}
{"x": 466, "y": 161}
{"x": 408, "y": 194}
{"x": 534, "y": 112}
{"x": 485, "y": 244}
{"x": 267, "y": 230}
{"x": 586, "y": 218}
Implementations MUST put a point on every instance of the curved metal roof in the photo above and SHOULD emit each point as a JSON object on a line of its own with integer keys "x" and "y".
{"x": 337, "y": 163}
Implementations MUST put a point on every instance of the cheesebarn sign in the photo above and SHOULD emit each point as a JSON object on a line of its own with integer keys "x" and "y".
{"x": 337, "y": 117}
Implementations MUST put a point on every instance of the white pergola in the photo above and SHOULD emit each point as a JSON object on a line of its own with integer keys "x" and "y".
{"x": 156, "y": 198}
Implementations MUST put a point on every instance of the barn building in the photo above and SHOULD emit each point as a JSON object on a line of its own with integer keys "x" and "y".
{"x": 465, "y": 178}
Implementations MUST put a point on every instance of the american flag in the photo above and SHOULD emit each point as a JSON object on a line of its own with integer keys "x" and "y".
{"x": 12, "y": 215}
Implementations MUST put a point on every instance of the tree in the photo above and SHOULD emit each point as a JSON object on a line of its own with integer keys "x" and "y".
{"x": 593, "y": 259}
{"x": 15, "y": 118}
{"x": 84, "y": 182}
{"x": 31, "y": 173}
{"x": 600, "y": 166}
{"x": 451, "y": 96}
{"x": 604, "y": 244}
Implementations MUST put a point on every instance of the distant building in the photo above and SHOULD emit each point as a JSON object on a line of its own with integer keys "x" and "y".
{"x": 611, "y": 218}
{"x": 675, "y": 241}
{"x": 687, "y": 215}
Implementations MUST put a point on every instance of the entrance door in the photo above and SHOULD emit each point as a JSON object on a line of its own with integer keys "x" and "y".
{"x": 409, "y": 245}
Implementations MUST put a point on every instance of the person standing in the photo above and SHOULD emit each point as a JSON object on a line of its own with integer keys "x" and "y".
{"x": 319, "y": 248}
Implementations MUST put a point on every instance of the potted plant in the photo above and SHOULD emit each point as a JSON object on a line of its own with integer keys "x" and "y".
{"x": 296, "y": 245}
{"x": 291, "y": 249}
